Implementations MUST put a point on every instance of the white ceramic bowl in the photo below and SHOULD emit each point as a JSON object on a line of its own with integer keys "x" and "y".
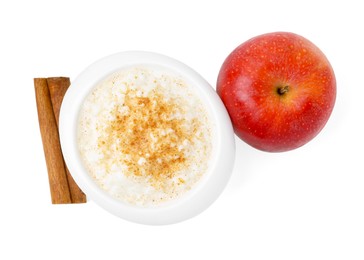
{"x": 195, "y": 201}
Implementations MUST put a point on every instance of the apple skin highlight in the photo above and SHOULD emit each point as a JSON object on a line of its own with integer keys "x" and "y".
{"x": 279, "y": 89}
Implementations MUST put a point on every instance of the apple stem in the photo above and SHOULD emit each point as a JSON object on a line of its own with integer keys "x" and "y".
{"x": 282, "y": 90}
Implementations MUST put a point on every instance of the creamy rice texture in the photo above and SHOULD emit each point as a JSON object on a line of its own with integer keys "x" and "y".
{"x": 145, "y": 136}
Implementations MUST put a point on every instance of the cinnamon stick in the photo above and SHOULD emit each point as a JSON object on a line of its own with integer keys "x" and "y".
{"x": 57, "y": 87}
{"x": 52, "y": 150}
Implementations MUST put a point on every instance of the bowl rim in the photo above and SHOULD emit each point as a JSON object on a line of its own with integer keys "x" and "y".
{"x": 199, "y": 198}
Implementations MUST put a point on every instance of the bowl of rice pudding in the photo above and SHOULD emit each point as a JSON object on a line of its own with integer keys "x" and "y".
{"x": 146, "y": 138}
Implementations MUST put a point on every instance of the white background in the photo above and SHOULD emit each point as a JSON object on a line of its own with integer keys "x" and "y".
{"x": 303, "y": 204}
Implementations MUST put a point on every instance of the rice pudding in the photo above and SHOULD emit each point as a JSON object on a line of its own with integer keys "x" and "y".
{"x": 145, "y": 136}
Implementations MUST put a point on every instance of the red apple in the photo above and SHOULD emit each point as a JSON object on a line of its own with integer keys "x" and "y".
{"x": 279, "y": 90}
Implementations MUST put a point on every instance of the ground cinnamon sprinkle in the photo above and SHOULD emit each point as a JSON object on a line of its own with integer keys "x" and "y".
{"x": 150, "y": 137}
